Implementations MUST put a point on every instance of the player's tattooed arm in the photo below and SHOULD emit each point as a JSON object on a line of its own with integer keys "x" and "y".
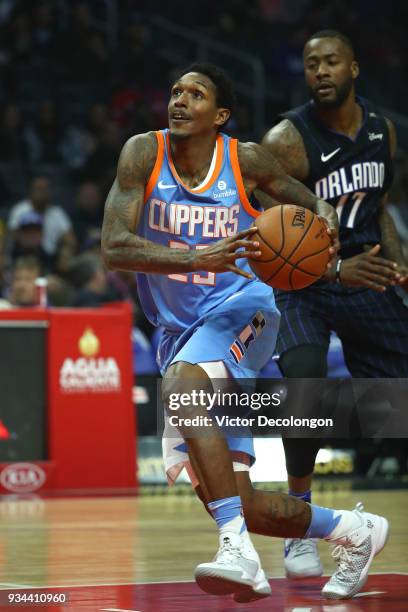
{"x": 378, "y": 266}
{"x": 122, "y": 249}
{"x": 286, "y": 144}
{"x": 261, "y": 169}
{"x": 390, "y": 241}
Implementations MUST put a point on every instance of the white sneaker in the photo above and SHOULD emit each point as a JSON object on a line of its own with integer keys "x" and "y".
{"x": 236, "y": 569}
{"x": 354, "y": 553}
{"x": 302, "y": 558}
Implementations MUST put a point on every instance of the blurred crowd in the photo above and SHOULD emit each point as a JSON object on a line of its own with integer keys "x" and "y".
{"x": 72, "y": 90}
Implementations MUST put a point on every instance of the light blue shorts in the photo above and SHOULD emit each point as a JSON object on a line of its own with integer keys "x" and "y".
{"x": 241, "y": 332}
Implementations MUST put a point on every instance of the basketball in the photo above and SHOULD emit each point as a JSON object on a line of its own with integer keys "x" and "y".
{"x": 294, "y": 245}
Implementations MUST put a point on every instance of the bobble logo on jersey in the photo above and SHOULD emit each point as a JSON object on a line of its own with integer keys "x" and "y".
{"x": 89, "y": 372}
{"x": 223, "y": 191}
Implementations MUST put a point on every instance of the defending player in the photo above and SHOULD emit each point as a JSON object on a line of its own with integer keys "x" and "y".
{"x": 340, "y": 147}
{"x": 177, "y": 191}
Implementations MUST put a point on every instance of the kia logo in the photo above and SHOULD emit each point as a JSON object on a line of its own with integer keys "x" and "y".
{"x": 22, "y": 477}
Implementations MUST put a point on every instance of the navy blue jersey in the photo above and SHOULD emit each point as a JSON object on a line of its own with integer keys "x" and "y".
{"x": 352, "y": 175}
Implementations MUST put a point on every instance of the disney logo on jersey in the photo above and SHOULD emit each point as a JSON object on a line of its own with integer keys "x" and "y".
{"x": 223, "y": 191}
{"x": 374, "y": 136}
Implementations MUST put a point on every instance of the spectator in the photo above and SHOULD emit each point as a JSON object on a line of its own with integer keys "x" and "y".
{"x": 13, "y": 147}
{"x": 88, "y": 213}
{"x": 87, "y": 60}
{"x": 2, "y": 256}
{"x": 79, "y": 142}
{"x": 22, "y": 287}
{"x": 43, "y": 29}
{"x": 57, "y": 228}
{"x": 28, "y": 240}
{"x": 101, "y": 166}
{"x": 88, "y": 275}
{"x": 44, "y": 137}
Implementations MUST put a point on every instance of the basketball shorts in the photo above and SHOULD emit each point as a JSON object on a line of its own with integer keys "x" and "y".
{"x": 241, "y": 333}
{"x": 372, "y": 326}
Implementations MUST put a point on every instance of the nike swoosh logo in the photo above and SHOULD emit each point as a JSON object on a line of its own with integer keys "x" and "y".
{"x": 163, "y": 186}
{"x": 326, "y": 158}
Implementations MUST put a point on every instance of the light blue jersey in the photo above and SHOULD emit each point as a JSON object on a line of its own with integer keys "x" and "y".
{"x": 179, "y": 217}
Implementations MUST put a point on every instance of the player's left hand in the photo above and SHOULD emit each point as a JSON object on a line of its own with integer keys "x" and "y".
{"x": 328, "y": 215}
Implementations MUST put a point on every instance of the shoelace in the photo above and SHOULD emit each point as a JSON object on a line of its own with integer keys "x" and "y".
{"x": 227, "y": 553}
{"x": 343, "y": 560}
{"x": 340, "y": 553}
{"x": 302, "y": 547}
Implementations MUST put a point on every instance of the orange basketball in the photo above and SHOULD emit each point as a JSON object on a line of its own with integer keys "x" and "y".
{"x": 294, "y": 245}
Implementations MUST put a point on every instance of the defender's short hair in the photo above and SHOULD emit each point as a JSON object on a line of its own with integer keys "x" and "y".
{"x": 332, "y": 34}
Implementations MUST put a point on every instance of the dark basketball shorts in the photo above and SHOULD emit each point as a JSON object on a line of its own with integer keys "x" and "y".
{"x": 372, "y": 326}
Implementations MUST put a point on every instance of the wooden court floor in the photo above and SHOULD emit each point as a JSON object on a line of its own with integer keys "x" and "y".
{"x": 66, "y": 543}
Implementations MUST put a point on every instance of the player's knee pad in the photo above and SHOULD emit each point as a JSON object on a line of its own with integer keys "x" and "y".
{"x": 300, "y": 455}
{"x": 307, "y": 361}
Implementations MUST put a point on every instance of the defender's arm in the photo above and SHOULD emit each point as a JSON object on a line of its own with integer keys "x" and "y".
{"x": 390, "y": 241}
{"x": 261, "y": 169}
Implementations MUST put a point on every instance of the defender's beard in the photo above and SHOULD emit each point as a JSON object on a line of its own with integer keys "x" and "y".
{"x": 342, "y": 93}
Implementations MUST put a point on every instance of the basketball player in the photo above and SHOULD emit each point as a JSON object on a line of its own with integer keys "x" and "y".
{"x": 176, "y": 191}
{"x": 340, "y": 147}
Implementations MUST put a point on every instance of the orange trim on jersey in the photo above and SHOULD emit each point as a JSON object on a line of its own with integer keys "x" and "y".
{"x": 238, "y": 179}
{"x": 214, "y": 175}
{"x": 236, "y": 352}
{"x": 157, "y": 166}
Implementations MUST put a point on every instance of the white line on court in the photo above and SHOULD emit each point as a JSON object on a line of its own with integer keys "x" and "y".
{"x": 4, "y": 586}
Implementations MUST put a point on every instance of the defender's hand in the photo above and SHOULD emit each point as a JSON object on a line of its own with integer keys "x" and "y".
{"x": 328, "y": 215}
{"x": 369, "y": 270}
{"x": 221, "y": 256}
{"x": 403, "y": 279}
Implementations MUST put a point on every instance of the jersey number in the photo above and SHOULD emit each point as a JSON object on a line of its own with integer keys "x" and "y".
{"x": 358, "y": 197}
{"x": 197, "y": 279}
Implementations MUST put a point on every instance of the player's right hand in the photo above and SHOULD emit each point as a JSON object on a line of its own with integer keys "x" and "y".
{"x": 222, "y": 255}
{"x": 369, "y": 270}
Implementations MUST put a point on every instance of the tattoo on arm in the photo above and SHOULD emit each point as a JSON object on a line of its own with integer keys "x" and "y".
{"x": 261, "y": 169}
{"x": 122, "y": 249}
{"x": 286, "y": 144}
{"x": 390, "y": 241}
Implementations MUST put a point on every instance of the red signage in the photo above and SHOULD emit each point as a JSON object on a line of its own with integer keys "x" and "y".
{"x": 91, "y": 422}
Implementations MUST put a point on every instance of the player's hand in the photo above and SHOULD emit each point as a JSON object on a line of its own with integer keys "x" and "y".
{"x": 403, "y": 279}
{"x": 369, "y": 270}
{"x": 328, "y": 215}
{"x": 222, "y": 255}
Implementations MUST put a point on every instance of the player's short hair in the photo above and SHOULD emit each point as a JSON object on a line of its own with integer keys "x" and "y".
{"x": 225, "y": 94}
{"x": 332, "y": 34}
